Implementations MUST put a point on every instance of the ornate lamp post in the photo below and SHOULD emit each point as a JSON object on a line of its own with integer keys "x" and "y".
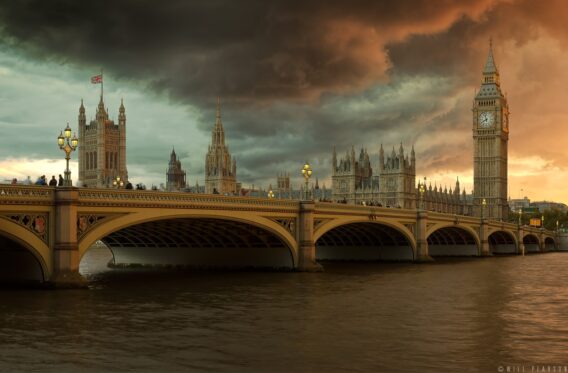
{"x": 307, "y": 173}
{"x": 520, "y": 214}
{"x": 68, "y": 145}
{"x": 556, "y": 226}
{"x": 270, "y": 194}
{"x": 542, "y": 220}
{"x": 483, "y": 204}
{"x": 117, "y": 182}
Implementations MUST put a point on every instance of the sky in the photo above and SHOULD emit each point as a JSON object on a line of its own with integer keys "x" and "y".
{"x": 295, "y": 79}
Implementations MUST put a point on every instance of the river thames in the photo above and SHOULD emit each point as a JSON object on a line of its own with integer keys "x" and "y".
{"x": 456, "y": 315}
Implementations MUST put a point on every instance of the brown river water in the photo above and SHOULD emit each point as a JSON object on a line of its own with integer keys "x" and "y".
{"x": 456, "y": 315}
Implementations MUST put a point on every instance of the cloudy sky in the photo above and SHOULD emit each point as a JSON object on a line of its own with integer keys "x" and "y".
{"x": 295, "y": 78}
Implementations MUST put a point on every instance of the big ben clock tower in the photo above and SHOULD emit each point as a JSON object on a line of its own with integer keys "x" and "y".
{"x": 490, "y": 138}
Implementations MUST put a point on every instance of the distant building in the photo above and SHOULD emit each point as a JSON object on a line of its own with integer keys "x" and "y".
{"x": 520, "y": 203}
{"x": 394, "y": 186}
{"x": 549, "y": 205}
{"x": 284, "y": 190}
{"x": 220, "y": 169}
{"x": 283, "y": 183}
{"x": 352, "y": 178}
{"x": 397, "y": 175}
{"x": 175, "y": 176}
{"x": 102, "y": 148}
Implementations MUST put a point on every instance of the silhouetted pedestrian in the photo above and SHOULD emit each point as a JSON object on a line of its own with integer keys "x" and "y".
{"x": 53, "y": 182}
{"x": 41, "y": 180}
{"x": 60, "y": 180}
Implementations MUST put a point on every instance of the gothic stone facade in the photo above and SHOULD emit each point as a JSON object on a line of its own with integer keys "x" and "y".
{"x": 220, "y": 168}
{"x": 394, "y": 186}
{"x": 397, "y": 175}
{"x": 352, "y": 178}
{"x": 490, "y": 138}
{"x": 102, "y": 148}
{"x": 175, "y": 176}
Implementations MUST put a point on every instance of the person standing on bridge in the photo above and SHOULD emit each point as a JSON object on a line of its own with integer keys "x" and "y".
{"x": 60, "y": 180}
{"x": 53, "y": 182}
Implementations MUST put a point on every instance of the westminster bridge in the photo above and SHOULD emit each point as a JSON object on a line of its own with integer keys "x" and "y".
{"x": 45, "y": 231}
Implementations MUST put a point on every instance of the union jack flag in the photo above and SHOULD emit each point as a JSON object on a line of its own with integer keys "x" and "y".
{"x": 97, "y": 79}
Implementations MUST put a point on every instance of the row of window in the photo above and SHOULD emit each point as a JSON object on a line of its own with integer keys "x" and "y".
{"x": 111, "y": 160}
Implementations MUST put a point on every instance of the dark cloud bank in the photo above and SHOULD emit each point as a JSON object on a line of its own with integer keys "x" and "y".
{"x": 295, "y": 77}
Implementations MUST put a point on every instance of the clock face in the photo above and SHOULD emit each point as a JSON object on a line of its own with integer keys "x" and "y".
{"x": 485, "y": 119}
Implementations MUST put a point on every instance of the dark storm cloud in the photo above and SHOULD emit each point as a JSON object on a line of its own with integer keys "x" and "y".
{"x": 245, "y": 50}
{"x": 295, "y": 77}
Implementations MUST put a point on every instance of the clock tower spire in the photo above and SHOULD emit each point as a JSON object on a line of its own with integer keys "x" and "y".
{"x": 490, "y": 138}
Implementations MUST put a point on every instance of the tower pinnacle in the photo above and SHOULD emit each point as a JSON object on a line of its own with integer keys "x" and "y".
{"x": 490, "y": 71}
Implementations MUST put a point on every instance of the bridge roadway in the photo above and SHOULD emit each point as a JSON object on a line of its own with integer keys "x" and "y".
{"x": 44, "y": 232}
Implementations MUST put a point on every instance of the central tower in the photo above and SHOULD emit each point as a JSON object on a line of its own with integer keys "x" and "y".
{"x": 220, "y": 168}
{"x": 490, "y": 138}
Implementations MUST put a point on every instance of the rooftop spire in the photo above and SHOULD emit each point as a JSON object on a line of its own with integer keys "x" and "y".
{"x": 490, "y": 67}
{"x": 218, "y": 107}
{"x": 218, "y": 123}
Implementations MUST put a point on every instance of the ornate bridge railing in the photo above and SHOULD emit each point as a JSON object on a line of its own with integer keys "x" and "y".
{"x": 113, "y": 197}
{"x": 26, "y": 195}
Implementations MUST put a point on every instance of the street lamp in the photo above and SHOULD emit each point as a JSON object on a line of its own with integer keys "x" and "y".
{"x": 68, "y": 145}
{"x": 483, "y": 204}
{"x": 117, "y": 182}
{"x": 556, "y": 226}
{"x": 307, "y": 173}
{"x": 520, "y": 214}
{"x": 542, "y": 220}
{"x": 270, "y": 194}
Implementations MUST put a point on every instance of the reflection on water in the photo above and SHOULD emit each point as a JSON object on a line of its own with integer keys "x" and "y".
{"x": 455, "y": 315}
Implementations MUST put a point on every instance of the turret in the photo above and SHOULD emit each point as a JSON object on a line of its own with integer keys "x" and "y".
{"x": 121, "y": 114}
{"x": 334, "y": 160}
{"x": 101, "y": 112}
{"x": 457, "y": 188}
{"x": 381, "y": 158}
{"x": 352, "y": 156}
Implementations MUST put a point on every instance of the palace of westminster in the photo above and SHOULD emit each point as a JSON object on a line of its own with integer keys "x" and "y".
{"x": 102, "y": 158}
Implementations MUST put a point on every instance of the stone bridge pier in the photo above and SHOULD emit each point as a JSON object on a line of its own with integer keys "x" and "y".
{"x": 66, "y": 258}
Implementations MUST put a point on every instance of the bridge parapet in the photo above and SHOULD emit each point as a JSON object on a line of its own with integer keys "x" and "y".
{"x": 26, "y": 195}
{"x": 113, "y": 197}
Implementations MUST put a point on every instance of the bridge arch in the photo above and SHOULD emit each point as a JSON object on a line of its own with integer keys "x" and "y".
{"x": 502, "y": 242}
{"x": 23, "y": 256}
{"x": 531, "y": 242}
{"x": 549, "y": 244}
{"x": 364, "y": 239}
{"x": 195, "y": 238}
{"x": 453, "y": 240}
